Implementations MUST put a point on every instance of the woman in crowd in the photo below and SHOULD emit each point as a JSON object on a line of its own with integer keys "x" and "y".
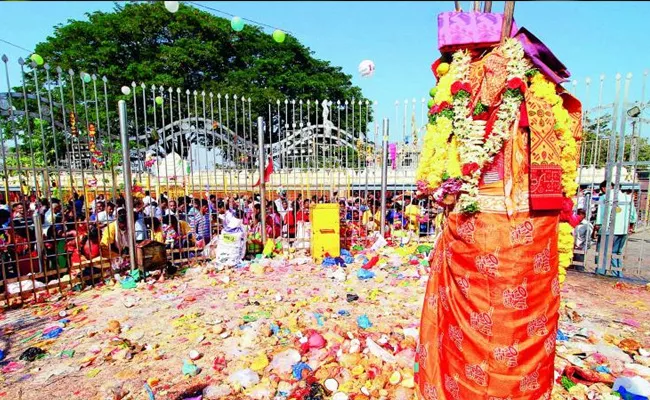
{"x": 273, "y": 221}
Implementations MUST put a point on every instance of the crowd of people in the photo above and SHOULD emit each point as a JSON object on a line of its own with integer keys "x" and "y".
{"x": 74, "y": 231}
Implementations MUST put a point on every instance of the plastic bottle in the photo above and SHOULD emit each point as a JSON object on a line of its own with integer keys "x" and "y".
{"x": 636, "y": 386}
{"x": 379, "y": 352}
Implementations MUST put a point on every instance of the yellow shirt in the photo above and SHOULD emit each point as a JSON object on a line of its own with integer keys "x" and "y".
{"x": 108, "y": 235}
{"x": 184, "y": 228}
{"x": 365, "y": 217}
{"x": 412, "y": 212}
{"x": 158, "y": 236}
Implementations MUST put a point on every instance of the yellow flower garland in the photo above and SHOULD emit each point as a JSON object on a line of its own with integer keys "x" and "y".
{"x": 565, "y": 249}
{"x": 453, "y": 159}
{"x": 435, "y": 151}
{"x": 444, "y": 87}
{"x": 544, "y": 89}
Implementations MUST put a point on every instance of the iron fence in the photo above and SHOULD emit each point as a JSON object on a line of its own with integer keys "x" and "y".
{"x": 610, "y": 155}
{"x": 65, "y": 145}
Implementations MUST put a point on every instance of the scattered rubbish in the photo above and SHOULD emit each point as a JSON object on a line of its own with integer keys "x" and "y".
{"x": 31, "y": 354}
{"x": 265, "y": 331}
{"x": 635, "y": 386}
{"x": 364, "y": 322}
{"x": 245, "y": 378}
{"x": 299, "y": 369}
{"x": 351, "y": 297}
{"x": 190, "y": 369}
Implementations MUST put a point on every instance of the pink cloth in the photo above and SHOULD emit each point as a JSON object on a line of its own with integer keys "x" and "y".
{"x": 469, "y": 29}
{"x": 542, "y": 57}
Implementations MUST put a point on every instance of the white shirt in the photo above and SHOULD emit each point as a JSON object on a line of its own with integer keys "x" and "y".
{"x": 625, "y": 214}
{"x": 121, "y": 240}
{"x": 103, "y": 216}
{"x": 281, "y": 209}
{"x": 140, "y": 230}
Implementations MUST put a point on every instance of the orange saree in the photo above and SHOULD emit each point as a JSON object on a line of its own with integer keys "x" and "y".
{"x": 490, "y": 313}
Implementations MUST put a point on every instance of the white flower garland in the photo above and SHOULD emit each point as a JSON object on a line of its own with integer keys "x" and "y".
{"x": 470, "y": 139}
{"x": 509, "y": 109}
{"x": 474, "y": 149}
{"x": 483, "y": 154}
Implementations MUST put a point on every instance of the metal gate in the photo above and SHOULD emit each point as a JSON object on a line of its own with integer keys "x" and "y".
{"x": 66, "y": 147}
{"x": 615, "y": 152}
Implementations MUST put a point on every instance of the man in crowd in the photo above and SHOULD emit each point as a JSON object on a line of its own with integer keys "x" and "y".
{"x": 163, "y": 208}
{"x": 52, "y": 213}
{"x": 412, "y": 213}
{"x": 624, "y": 222}
{"x": 173, "y": 208}
{"x": 115, "y": 242}
{"x": 18, "y": 211}
{"x": 582, "y": 234}
{"x": 202, "y": 228}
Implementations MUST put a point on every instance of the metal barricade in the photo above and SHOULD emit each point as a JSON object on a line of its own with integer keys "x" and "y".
{"x": 52, "y": 124}
{"x": 182, "y": 165}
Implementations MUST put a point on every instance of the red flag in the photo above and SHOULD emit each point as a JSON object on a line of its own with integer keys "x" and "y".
{"x": 267, "y": 172}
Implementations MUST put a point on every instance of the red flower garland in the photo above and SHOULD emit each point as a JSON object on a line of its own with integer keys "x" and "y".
{"x": 439, "y": 107}
{"x": 458, "y": 86}
{"x": 567, "y": 215}
{"x": 516, "y": 84}
{"x": 470, "y": 168}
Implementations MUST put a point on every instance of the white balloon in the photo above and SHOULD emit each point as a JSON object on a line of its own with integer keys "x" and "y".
{"x": 367, "y": 68}
{"x": 171, "y": 6}
{"x": 126, "y": 90}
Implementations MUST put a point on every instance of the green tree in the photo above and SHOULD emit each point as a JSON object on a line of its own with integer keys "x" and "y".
{"x": 191, "y": 49}
{"x": 596, "y": 138}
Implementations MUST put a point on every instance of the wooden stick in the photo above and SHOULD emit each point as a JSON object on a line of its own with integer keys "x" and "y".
{"x": 457, "y": 5}
{"x": 477, "y": 6}
{"x": 508, "y": 13}
{"x": 487, "y": 6}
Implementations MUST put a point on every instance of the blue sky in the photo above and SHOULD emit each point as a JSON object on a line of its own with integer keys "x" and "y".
{"x": 590, "y": 38}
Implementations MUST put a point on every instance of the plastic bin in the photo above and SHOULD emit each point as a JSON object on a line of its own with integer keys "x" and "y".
{"x": 325, "y": 231}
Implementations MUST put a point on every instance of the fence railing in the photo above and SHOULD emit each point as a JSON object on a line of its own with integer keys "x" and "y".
{"x": 60, "y": 137}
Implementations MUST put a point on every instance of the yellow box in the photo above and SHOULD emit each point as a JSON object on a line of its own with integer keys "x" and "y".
{"x": 325, "y": 231}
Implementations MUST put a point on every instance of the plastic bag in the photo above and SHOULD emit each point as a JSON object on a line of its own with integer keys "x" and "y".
{"x": 245, "y": 378}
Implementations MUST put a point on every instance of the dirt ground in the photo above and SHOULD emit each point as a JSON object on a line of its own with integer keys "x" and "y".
{"x": 242, "y": 319}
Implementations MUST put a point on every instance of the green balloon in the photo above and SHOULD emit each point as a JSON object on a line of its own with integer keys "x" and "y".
{"x": 430, "y": 103}
{"x": 37, "y": 59}
{"x": 159, "y": 100}
{"x": 433, "y": 91}
{"x": 87, "y": 78}
{"x": 279, "y": 35}
{"x": 236, "y": 24}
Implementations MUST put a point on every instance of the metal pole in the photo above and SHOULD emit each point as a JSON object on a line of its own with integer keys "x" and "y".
{"x": 487, "y": 7}
{"x": 262, "y": 158}
{"x": 614, "y": 160}
{"x": 384, "y": 174}
{"x": 126, "y": 173}
{"x": 40, "y": 242}
{"x": 508, "y": 13}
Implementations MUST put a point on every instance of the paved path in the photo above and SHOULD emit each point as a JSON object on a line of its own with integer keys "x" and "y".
{"x": 636, "y": 257}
